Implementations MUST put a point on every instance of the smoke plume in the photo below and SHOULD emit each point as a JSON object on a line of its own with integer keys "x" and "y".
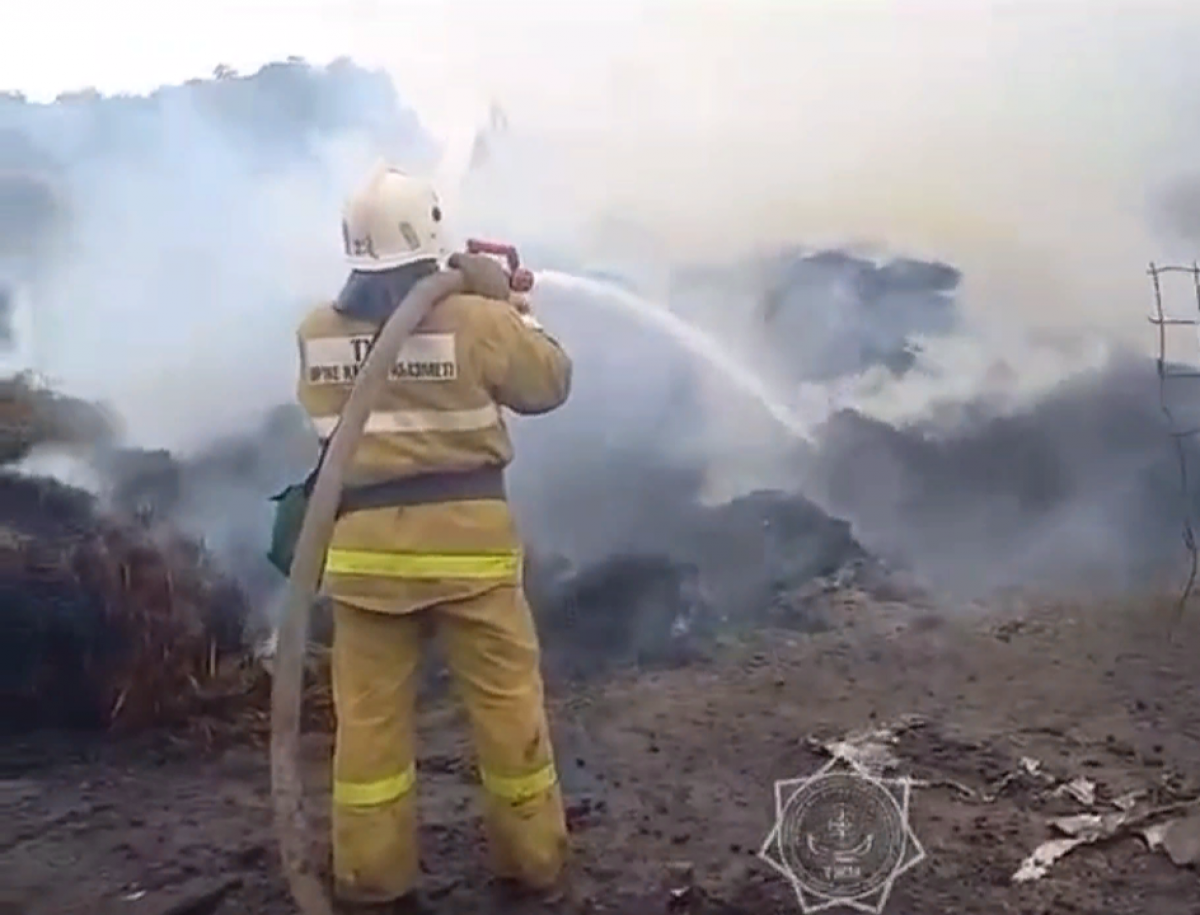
{"x": 202, "y": 221}
{"x": 753, "y": 170}
{"x": 1028, "y": 144}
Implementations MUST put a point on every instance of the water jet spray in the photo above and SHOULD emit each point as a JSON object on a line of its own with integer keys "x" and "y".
{"x": 695, "y": 340}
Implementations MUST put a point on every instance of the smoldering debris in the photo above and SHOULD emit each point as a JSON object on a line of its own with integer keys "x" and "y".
{"x": 631, "y": 609}
{"x": 125, "y": 625}
{"x": 1080, "y": 489}
{"x": 655, "y": 573}
{"x": 137, "y": 610}
{"x": 103, "y": 624}
{"x": 703, "y": 571}
{"x": 219, "y": 495}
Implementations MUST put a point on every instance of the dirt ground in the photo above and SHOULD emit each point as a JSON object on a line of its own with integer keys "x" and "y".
{"x": 673, "y": 770}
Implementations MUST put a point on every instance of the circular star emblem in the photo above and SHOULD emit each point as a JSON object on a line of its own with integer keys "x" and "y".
{"x": 842, "y": 837}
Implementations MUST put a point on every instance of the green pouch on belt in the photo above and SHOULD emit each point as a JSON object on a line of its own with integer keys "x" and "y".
{"x": 290, "y": 507}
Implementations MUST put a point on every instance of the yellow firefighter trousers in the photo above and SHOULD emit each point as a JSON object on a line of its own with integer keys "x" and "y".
{"x": 492, "y": 650}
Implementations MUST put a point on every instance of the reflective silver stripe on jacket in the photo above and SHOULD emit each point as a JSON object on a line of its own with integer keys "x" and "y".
{"x": 399, "y": 421}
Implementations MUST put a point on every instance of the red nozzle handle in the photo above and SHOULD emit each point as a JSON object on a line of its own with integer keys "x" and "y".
{"x": 499, "y": 249}
{"x": 522, "y": 280}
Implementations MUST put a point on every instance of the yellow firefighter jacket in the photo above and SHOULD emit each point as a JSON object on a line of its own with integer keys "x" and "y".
{"x": 441, "y": 410}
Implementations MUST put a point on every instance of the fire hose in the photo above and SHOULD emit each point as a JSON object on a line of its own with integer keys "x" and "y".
{"x": 307, "y": 565}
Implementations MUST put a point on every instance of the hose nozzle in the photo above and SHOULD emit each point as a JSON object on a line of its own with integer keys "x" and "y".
{"x": 520, "y": 279}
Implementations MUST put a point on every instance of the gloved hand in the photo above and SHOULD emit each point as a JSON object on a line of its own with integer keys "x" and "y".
{"x": 483, "y": 275}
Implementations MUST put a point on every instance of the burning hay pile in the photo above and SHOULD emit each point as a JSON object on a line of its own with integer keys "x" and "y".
{"x": 111, "y": 619}
{"x": 104, "y": 624}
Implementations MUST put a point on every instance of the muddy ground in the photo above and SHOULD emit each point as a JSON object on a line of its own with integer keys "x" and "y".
{"x": 678, "y": 766}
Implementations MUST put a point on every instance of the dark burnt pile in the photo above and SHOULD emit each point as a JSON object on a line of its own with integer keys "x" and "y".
{"x": 756, "y": 561}
{"x": 221, "y": 494}
{"x": 1079, "y": 492}
{"x": 103, "y": 623}
{"x": 110, "y": 617}
{"x": 110, "y": 624}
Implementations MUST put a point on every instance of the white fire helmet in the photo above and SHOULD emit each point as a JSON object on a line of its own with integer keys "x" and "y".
{"x": 393, "y": 220}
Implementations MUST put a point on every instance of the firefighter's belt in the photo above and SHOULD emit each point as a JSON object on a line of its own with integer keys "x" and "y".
{"x": 291, "y": 504}
{"x": 425, "y": 489}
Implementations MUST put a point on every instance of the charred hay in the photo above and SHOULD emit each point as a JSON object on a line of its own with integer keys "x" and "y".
{"x": 118, "y": 624}
{"x": 104, "y": 623}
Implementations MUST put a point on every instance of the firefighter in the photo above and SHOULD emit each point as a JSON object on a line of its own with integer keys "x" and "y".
{"x": 426, "y": 536}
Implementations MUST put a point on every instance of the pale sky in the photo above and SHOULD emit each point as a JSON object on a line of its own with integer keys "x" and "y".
{"x": 543, "y": 52}
{"x": 442, "y": 53}
{"x": 1019, "y": 138}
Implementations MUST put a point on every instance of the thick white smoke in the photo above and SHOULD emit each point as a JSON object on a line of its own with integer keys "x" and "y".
{"x": 1027, "y": 143}
{"x": 198, "y": 234}
{"x": 1043, "y": 149}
